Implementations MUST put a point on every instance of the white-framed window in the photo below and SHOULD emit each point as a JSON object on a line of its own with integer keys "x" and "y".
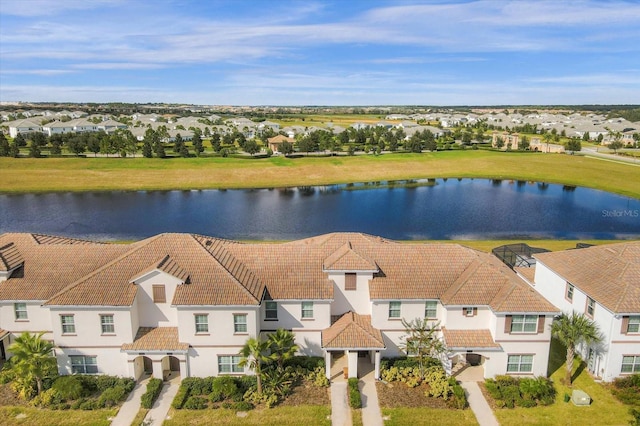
{"x": 202, "y": 323}
{"x": 469, "y": 311}
{"x": 634, "y": 325}
{"x": 394, "y": 309}
{"x": 630, "y": 364}
{"x": 229, "y": 364}
{"x": 84, "y": 364}
{"x": 524, "y": 324}
{"x": 68, "y": 324}
{"x": 20, "y": 310}
{"x": 431, "y": 309}
{"x": 569, "y": 294}
{"x": 239, "y": 323}
{"x": 270, "y": 310}
{"x": 307, "y": 309}
{"x": 107, "y": 324}
{"x": 591, "y": 307}
{"x": 520, "y": 364}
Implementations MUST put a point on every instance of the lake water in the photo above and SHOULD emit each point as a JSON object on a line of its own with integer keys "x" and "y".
{"x": 435, "y": 209}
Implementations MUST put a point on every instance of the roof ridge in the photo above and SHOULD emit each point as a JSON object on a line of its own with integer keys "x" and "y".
{"x": 457, "y": 285}
{"x": 219, "y": 247}
{"x": 364, "y": 329}
{"x": 103, "y": 267}
{"x": 626, "y": 287}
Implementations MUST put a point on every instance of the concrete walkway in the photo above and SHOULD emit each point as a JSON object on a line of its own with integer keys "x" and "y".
{"x": 479, "y": 404}
{"x": 340, "y": 410}
{"x": 158, "y": 413}
{"x": 371, "y": 415}
{"x": 131, "y": 405}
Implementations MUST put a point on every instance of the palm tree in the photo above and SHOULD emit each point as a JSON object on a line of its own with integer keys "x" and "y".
{"x": 571, "y": 330}
{"x": 254, "y": 354}
{"x": 32, "y": 358}
{"x": 548, "y": 137}
{"x": 282, "y": 346}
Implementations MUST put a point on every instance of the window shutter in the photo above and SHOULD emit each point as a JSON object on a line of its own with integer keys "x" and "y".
{"x": 625, "y": 325}
{"x": 540, "y": 324}
{"x": 159, "y": 294}
{"x": 507, "y": 323}
{"x": 350, "y": 281}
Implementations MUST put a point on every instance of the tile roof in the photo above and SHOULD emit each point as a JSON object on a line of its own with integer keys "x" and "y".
{"x": 347, "y": 259}
{"x": 468, "y": 339}
{"x": 156, "y": 339}
{"x": 222, "y": 272}
{"x": 527, "y": 272}
{"x": 352, "y": 331}
{"x": 609, "y": 273}
{"x": 3, "y": 333}
{"x": 10, "y": 257}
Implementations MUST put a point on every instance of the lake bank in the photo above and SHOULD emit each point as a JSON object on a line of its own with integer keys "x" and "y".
{"x": 26, "y": 175}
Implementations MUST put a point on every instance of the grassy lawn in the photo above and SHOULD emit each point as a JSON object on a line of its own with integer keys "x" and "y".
{"x": 96, "y": 174}
{"x": 428, "y": 416}
{"x": 39, "y": 417}
{"x": 605, "y": 409}
{"x": 298, "y": 415}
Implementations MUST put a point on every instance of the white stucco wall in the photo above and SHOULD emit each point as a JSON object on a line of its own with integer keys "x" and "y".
{"x": 111, "y": 361}
{"x": 454, "y": 318}
{"x": 357, "y": 300}
{"x": 38, "y": 317}
{"x": 152, "y": 314}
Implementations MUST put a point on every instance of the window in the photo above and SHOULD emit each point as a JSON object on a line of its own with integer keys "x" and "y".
{"x": 202, "y": 323}
{"x": 307, "y": 309}
{"x": 520, "y": 364}
{"x": 68, "y": 325}
{"x": 270, "y": 310}
{"x": 229, "y": 364}
{"x": 633, "y": 326}
{"x": 524, "y": 324}
{"x": 591, "y": 307}
{"x": 350, "y": 281}
{"x": 569, "y": 294}
{"x": 631, "y": 364}
{"x": 106, "y": 322}
{"x": 21, "y": 311}
{"x": 83, "y": 364}
{"x": 159, "y": 295}
{"x": 239, "y": 323}
{"x": 431, "y": 309}
{"x": 469, "y": 311}
{"x": 394, "y": 309}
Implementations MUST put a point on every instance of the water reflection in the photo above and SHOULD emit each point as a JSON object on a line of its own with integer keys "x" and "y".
{"x": 407, "y": 209}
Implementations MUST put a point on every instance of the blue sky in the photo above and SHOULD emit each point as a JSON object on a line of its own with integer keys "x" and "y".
{"x": 355, "y": 52}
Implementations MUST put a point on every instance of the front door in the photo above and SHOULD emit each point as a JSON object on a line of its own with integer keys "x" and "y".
{"x": 591, "y": 363}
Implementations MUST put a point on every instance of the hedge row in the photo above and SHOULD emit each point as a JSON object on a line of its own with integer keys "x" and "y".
{"x": 510, "y": 392}
{"x": 355, "y": 399}
{"x": 153, "y": 390}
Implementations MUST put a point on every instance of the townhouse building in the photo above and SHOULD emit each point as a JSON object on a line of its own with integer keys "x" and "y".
{"x": 603, "y": 282}
{"x": 187, "y": 303}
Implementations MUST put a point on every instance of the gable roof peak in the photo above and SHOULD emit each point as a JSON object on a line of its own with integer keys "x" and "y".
{"x": 345, "y": 258}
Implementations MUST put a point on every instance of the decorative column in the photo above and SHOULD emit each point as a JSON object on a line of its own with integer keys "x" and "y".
{"x": 376, "y": 362}
{"x": 327, "y": 364}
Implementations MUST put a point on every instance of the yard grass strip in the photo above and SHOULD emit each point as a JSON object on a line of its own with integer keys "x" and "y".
{"x": 105, "y": 174}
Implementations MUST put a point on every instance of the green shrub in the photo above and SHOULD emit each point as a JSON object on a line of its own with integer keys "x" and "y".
{"x": 47, "y": 399}
{"x": 627, "y": 389}
{"x": 458, "y": 398}
{"x": 309, "y": 363}
{"x": 525, "y": 392}
{"x": 181, "y": 396}
{"x": 153, "y": 390}
{"x": 70, "y": 387}
{"x": 195, "y": 403}
{"x": 201, "y": 385}
{"x": 636, "y": 417}
{"x": 439, "y": 386}
{"x": 243, "y": 406}
{"x": 223, "y": 387}
{"x": 355, "y": 399}
{"x": 88, "y": 405}
{"x": 112, "y": 396}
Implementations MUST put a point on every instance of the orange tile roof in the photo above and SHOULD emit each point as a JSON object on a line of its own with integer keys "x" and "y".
{"x": 352, "y": 331}
{"x": 3, "y": 333}
{"x": 347, "y": 259}
{"x": 526, "y": 272}
{"x": 222, "y": 272}
{"x": 10, "y": 257}
{"x": 156, "y": 339}
{"x": 468, "y": 339}
{"x": 609, "y": 274}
